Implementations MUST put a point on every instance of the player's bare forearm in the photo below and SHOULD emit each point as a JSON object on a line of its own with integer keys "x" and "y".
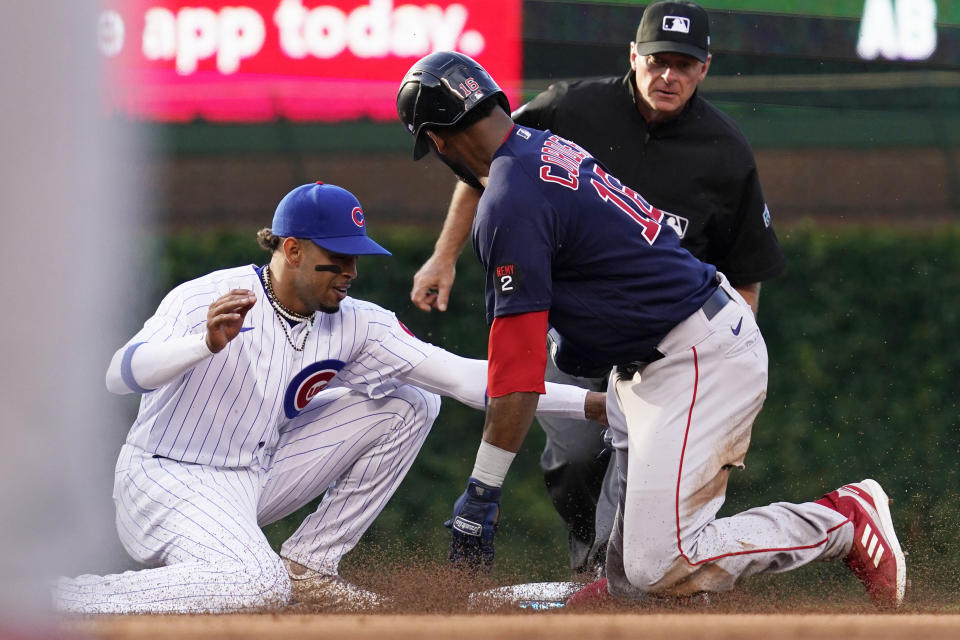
{"x": 459, "y": 220}
{"x": 433, "y": 281}
{"x": 509, "y": 418}
{"x": 595, "y": 407}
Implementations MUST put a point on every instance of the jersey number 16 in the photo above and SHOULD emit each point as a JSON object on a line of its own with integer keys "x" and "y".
{"x": 630, "y": 202}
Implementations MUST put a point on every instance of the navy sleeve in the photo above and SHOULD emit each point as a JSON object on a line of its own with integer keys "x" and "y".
{"x": 516, "y": 240}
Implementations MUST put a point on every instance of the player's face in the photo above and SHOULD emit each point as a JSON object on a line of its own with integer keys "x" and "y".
{"x": 323, "y": 290}
{"x": 445, "y": 147}
{"x": 665, "y": 82}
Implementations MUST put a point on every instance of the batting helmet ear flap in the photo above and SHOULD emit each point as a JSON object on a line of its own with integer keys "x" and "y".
{"x": 411, "y": 109}
{"x": 438, "y": 90}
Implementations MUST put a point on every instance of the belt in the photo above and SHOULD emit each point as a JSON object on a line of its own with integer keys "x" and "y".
{"x": 717, "y": 301}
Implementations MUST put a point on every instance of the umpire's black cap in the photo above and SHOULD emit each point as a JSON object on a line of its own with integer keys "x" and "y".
{"x": 674, "y": 27}
{"x": 438, "y": 90}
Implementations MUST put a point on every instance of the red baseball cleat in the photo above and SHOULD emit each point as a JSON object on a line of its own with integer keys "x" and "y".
{"x": 592, "y": 595}
{"x": 875, "y": 557}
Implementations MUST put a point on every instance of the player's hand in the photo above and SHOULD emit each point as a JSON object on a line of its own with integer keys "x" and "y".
{"x": 475, "y": 517}
{"x": 595, "y": 407}
{"x": 225, "y": 317}
{"x": 432, "y": 283}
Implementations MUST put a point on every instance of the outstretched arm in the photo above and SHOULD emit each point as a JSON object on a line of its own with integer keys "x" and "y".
{"x": 465, "y": 380}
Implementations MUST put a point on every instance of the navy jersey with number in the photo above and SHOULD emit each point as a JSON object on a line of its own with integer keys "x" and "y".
{"x": 555, "y": 231}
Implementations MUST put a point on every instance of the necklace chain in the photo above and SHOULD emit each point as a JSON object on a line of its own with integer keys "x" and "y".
{"x": 282, "y": 312}
{"x": 286, "y": 332}
{"x": 286, "y": 313}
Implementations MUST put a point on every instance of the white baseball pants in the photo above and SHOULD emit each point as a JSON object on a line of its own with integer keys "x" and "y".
{"x": 680, "y": 425}
{"x": 200, "y": 525}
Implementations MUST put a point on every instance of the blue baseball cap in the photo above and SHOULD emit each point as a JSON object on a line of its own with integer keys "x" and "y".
{"x": 328, "y": 215}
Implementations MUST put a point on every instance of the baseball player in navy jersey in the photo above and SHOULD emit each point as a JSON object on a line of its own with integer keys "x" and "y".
{"x": 653, "y": 129}
{"x": 262, "y": 388}
{"x": 566, "y": 245}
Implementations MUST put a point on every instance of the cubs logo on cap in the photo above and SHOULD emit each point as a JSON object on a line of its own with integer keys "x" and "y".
{"x": 358, "y": 216}
{"x": 674, "y": 27}
{"x": 327, "y": 214}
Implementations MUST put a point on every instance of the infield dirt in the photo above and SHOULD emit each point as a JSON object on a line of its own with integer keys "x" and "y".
{"x": 432, "y": 602}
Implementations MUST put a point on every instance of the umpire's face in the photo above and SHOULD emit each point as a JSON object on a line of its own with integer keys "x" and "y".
{"x": 665, "y": 82}
{"x": 322, "y": 289}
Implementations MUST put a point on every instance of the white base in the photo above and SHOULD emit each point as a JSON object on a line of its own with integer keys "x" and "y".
{"x": 532, "y": 595}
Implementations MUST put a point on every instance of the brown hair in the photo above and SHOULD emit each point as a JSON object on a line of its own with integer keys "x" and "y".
{"x": 268, "y": 241}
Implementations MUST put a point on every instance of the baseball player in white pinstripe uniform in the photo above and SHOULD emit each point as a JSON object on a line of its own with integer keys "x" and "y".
{"x": 261, "y": 389}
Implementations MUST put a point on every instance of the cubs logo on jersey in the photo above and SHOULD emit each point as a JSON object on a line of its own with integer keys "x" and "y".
{"x": 307, "y": 384}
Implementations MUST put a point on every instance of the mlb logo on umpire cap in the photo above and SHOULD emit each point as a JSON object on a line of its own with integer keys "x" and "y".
{"x": 674, "y": 26}
{"x": 327, "y": 214}
{"x": 676, "y": 23}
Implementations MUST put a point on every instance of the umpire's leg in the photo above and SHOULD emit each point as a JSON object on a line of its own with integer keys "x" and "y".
{"x": 574, "y": 463}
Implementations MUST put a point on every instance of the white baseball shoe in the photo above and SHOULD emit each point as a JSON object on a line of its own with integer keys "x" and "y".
{"x": 875, "y": 556}
{"x": 330, "y": 592}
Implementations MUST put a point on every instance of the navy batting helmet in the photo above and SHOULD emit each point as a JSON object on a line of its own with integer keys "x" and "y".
{"x": 439, "y": 90}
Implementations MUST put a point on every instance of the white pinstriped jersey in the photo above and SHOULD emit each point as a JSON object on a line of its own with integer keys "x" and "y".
{"x": 231, "y": 406}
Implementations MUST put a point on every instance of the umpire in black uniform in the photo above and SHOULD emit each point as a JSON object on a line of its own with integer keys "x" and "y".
{"x": 654, "y": 131}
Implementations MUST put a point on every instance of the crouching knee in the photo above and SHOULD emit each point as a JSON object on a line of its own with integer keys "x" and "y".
{"x": 675, "y": 576}
{"x": 663, "y": 572}
{"x": 416, "y": 404}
